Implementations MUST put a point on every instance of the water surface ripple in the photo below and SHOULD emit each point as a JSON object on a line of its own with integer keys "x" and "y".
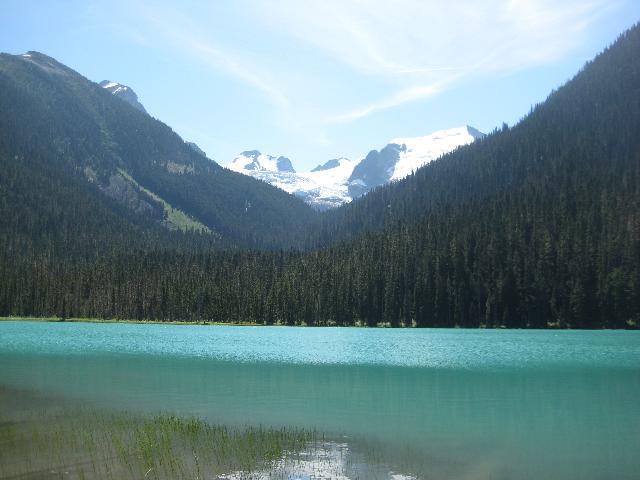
{"x": 494, "y": 404}
{"x": 434, "y": 348}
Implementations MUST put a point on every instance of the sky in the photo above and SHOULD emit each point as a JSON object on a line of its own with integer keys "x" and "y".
{"x": 316, "y": 80}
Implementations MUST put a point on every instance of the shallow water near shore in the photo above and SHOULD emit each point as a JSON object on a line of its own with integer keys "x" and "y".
{"x": 410, "y": 403}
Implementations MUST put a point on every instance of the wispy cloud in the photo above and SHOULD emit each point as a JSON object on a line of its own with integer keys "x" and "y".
{"x": 377, "y": 54}
{"x": 193, "y": 37}
{"x": 231, "y": 64}
{"x": 421, "y": 48}
{"x": 397, "y": 98}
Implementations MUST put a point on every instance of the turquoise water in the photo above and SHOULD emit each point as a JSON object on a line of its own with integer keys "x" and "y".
{"x": 436, "y": 403}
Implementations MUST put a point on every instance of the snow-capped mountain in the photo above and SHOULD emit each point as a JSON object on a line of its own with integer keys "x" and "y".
{"x": 123, "y": 92}
{"x": 128, "y": 95}
{"x": 418, "y": 151}
{"x": 324, "y": 187}
{"x": 402, "y": 156}
{"x": 253, "y": 160}
{"x": 340, "y": 180}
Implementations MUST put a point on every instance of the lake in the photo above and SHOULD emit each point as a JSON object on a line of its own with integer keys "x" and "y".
{"x": 435, "y": 403}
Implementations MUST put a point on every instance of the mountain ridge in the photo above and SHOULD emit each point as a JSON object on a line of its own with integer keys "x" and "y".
{"x": 339, "y": 181}
{"x": 123, "y": 92}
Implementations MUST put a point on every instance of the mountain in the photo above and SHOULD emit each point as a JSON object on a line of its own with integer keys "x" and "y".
{"x": 534, "y": 225}
{"x": 139, "y": 172}
{"x": 320, "y": 188}
{"x": 123, "y": 92}
{"x": 128, "y": 95}
{"x": 338, "y": 181}
{"x": 402, "y": 156}
{"x": 196, "y": 148}
{"x": 254, "y": 161}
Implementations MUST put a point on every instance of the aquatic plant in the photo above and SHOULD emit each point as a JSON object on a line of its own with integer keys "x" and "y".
{"x": 83, "y": 443}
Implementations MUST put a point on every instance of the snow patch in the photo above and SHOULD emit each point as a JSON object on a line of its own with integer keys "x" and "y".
{"x": 421, "y": 150}
{"x": 254, "y": 161}
{"x": 322, "y": 189}
{"x": 110, "y": 85}
{"x": 328, "y": 187}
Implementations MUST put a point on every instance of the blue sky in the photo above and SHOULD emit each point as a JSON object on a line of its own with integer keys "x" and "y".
{"x": 315, "y": 80}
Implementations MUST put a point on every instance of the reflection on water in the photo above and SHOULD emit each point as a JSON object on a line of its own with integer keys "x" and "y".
{"x": 515, "y": 413}
{"x": 323, "y": 460}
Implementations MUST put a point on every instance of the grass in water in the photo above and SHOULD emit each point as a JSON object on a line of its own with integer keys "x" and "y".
{"x": 45, "y": 437}
{"x": 75, "y": 443}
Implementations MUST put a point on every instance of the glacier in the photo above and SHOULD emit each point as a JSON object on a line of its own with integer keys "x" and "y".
{"x": 340, "y": 180}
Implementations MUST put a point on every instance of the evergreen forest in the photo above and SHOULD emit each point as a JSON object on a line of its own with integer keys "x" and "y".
{"x": 106, "y": 213}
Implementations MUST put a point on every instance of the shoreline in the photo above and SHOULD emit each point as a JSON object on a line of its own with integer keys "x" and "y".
{"x": 190, "y": 322}
{"x": 550, "y": 326}
{"x": 115, "y": 320}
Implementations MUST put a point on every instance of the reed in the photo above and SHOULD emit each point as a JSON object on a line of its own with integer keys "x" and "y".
{"x": 78, "y": 443}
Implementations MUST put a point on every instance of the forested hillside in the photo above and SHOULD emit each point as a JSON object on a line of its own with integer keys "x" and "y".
{"x": 115, "y": 161}
{"x": 533, "y": 226}
{"x": 588, "y": 128}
